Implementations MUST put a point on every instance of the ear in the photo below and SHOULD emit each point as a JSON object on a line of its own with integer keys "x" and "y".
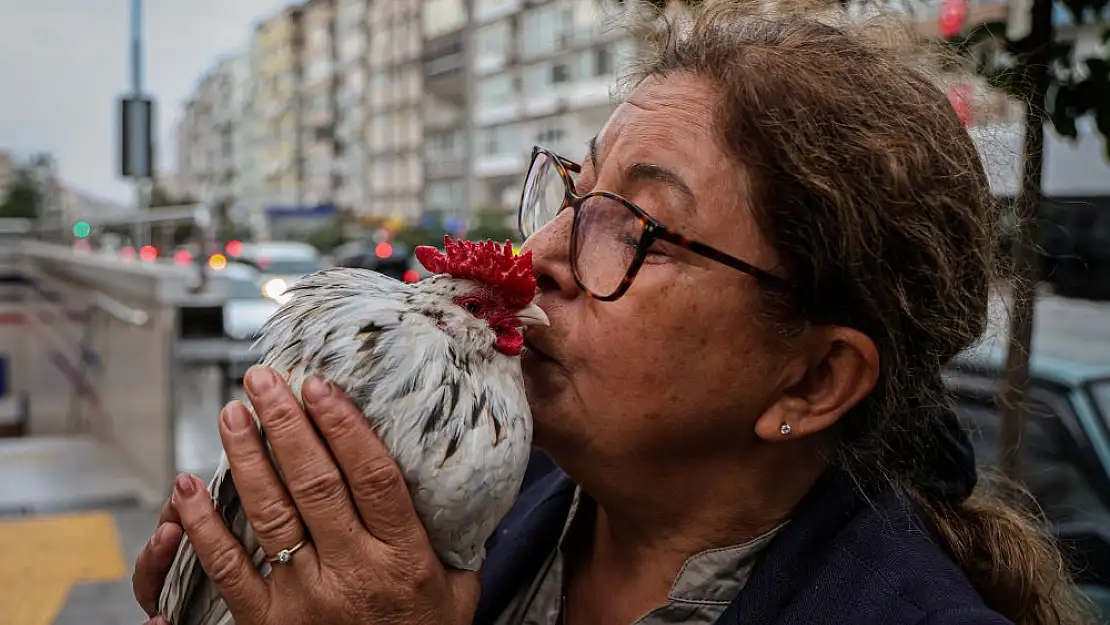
{"x": 841, "y": 368}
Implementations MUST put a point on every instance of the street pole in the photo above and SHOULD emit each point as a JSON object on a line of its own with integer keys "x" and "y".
{"x": 140, "y": 232}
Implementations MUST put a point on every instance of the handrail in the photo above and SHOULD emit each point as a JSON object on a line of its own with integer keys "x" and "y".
{"x": 122, "y": 312}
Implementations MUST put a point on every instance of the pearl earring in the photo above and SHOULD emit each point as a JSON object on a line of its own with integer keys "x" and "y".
{"x": 785, "y": 429}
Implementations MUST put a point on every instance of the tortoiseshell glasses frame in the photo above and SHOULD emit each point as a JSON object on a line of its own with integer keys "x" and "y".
{"x": 652, "y": 231}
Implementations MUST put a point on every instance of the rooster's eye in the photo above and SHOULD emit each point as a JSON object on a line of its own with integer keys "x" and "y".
{"x": 473, "y": 307}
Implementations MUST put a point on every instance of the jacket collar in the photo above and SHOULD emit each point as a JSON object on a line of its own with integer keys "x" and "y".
{"x": 797, "y": 551}
{"x": 519, "y": 547}
{"x": 531, "y": 530}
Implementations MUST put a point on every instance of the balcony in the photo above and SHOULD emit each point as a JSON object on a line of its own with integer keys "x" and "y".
{"x": 486, "y": 64}
{"x": 491, "y": 10}
{"x": 588, "y": 93}
{"x": 491, "y": 166}
{"x": 444, "y": 168}
{"x": 543, "y": 104}
{"x": 498, "y": 113}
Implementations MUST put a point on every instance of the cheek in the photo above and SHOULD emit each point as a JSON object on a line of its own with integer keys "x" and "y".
{"x": 660, "y": 361}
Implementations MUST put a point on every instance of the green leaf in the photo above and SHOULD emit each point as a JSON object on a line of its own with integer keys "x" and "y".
{"x": 1061, "y": 111}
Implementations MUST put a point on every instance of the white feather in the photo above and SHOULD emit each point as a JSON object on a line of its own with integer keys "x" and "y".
{"x": 450, "y": 409}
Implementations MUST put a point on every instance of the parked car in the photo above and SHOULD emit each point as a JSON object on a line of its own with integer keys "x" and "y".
{"x": 247, "y": 306}
{"x": 1065, "y": 454}
{"x": 392, "y": 259}
{"x": 281, "y": 263}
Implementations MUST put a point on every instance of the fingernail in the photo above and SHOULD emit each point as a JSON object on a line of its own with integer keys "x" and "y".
{"x": 316, "y": 389}
{"x": 259, "y": 380}
{"x": 235, "y": 416}
{"x": 185, "y": 486}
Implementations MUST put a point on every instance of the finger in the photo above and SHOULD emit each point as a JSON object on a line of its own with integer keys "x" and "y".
{"x": 376, "y": 483}
{"x": 466, "y": 588}
{"x": 266, "y": 503}
{"x": 158, "y": 620}
{"x": 313, "y": 479}
{"x": 153, "y": 564}
{"x": 232, "y": 572}
{"x": 168, "y": 514}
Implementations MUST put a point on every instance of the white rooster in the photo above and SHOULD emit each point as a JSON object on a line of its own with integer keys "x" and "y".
{"x": 435, "y": 367}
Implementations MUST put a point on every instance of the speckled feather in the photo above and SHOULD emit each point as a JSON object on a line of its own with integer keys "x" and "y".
{"x": 450, "y": 409}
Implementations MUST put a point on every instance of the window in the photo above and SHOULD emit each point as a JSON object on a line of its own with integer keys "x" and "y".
{"x": 559, "y": 74}
{"x": 544, "y": 30}
{"x": 496, "y": 89}
{"x": 494, "y": 39}
{"x": 603, "y": 61}
{"x": 378, "y": 130}
{"x": 352, "y": 47}
{"x": 319, "y": 69}
{"x": 499, "y": 140}
{"x": 445, "y": 195}
{"x": 443, "y": 16}
{"x": 379, "y": 85}
{"x": 537, "y": 79}
{"x": 443, "y": 147}
{"x": 550, "y": 137}
{"x": 353, "y": 82}
{"x": 318, "y": 36}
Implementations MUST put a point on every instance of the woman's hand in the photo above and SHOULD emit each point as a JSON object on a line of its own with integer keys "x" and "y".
{"x": 368, "y": 559}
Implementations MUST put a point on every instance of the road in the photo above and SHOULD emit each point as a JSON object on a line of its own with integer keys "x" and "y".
{"x": 75, "y": 569}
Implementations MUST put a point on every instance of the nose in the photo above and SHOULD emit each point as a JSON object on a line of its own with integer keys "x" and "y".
{"x": 550, "y": 247}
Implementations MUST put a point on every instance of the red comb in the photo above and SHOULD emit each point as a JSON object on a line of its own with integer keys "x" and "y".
{"x": 487, "y": 262}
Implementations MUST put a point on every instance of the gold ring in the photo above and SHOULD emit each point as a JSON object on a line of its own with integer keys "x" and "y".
{"x": 285, "y": 555}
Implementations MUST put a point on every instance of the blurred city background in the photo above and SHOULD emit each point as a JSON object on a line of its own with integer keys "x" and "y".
{"x": 137, "y": 264}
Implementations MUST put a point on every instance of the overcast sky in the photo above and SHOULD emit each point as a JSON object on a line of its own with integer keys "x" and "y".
{"x": 63, "y": 63}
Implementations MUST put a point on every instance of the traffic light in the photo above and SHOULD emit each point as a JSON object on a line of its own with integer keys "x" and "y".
{"x": 81, "y": 229}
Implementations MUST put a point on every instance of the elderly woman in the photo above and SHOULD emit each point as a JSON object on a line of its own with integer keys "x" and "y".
{"x": 754, "y": 276}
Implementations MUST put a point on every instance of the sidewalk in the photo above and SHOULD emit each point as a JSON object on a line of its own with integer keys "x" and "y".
{"x": 72, "y": 568}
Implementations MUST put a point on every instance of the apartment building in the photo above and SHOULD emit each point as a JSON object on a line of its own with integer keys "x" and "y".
{"x": 317, "y": 92}
{"x": 394, "y": 103}
{"x": 205, "y": 140}
{"x": 351, "y": 121}
{"x": 275, "y": 50}
{"x": 543, "y": 73}
{"x": 446, "y": 110}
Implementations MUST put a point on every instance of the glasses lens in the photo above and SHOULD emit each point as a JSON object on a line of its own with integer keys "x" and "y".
{"x": 606, "y": 235}
{"x": 544, "y": 192}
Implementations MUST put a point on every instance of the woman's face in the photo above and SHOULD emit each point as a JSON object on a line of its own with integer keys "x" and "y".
{"x": 679, "y": 363}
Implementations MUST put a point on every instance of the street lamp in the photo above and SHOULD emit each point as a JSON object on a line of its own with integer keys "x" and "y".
{"x": 136, "y": 127}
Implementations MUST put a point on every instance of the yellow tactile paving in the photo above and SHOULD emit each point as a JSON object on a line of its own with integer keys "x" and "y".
{"x": 41, "y": 557}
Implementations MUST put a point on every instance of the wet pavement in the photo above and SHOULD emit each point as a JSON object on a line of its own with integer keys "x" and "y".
{"x": 70, "y": 563}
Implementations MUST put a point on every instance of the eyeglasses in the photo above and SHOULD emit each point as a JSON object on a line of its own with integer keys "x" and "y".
{"x": 610, "y": 236}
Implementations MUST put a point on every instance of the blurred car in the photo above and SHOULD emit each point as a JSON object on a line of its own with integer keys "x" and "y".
{"x": 1065, "y": 453}
{"x": 392, "y": 259}
{"x": 247, "y": 308}
{"x": 281, "y": 263}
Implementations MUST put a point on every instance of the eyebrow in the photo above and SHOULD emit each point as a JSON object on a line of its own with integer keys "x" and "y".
{"x": 647, "y": 171}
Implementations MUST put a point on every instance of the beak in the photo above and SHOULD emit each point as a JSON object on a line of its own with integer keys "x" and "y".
{"x": 533, "y": 315}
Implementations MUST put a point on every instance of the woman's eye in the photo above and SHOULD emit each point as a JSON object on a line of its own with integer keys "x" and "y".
{"x": 630, "y": 240}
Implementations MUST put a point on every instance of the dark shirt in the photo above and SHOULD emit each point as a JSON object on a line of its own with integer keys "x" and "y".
{"x": 841, "y": 560}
